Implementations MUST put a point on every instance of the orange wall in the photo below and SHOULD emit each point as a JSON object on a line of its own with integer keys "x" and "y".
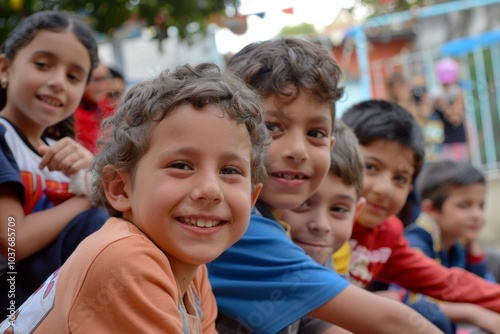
{"x": 376, "y": 51}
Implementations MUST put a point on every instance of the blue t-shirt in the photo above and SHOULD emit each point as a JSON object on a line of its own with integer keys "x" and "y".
{"x": 424, "y": 234}
{"x": 266, "y": 282}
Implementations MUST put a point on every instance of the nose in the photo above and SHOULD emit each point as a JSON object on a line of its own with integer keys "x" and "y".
{"x": 382, "y": 184}
{"x": 295, "y": 147}
{"x": 319, "y": 225}
{"x": 207, "y": 191}
{"x": 479, "y": 214}
{"x": 57, "y": 79}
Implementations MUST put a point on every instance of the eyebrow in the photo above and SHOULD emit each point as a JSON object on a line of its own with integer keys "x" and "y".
{"x": 53, "y": 55}
{"x": 192, "y": 151}
{"x": 400, "y": 170}
{"x": 276, "y": 113}
{"x": 281, "y": 114}
{"x": 346, "y": 197}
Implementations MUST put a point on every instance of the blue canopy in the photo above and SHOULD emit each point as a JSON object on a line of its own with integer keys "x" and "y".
{"x": 460, "y": 46}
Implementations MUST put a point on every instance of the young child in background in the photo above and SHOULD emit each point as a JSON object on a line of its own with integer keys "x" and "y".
{"x": 90, "y": 111}
{"x": 453, "y": 196}
{"x": 115, "y": 89}
{"x": 322, "y": 225}
{"x": 448, "y": 100}
{"x": 265, "y": 282}
{"x": 179, "y": 171}
{"x": 452, "y": 200}
{"x": 392, "y": 147}
{"x": 41, "y": 85}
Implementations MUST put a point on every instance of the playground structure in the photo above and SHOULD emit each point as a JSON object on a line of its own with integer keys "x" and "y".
{"x": 479, "y": 73}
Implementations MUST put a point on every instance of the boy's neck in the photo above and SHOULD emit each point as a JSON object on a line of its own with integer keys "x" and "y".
{"x": 184, "y": 273}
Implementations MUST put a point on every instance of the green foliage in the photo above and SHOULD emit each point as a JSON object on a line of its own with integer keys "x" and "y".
{"x": 106, "y": 16}
{"x": 300, "y": 29}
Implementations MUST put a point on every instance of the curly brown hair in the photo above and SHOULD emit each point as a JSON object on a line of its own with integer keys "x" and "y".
{"x": 285, "y": 66}
{"x": 128, "y": 132}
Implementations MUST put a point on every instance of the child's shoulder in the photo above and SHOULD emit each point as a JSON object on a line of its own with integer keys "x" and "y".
{"x": 115, "y": 245}
{"x": 118, "y": 251}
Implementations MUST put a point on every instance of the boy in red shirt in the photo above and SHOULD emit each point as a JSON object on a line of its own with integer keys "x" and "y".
{"x": 392, "y": 147}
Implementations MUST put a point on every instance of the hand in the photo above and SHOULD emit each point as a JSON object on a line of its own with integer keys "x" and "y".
{"x": 66, "y": 155}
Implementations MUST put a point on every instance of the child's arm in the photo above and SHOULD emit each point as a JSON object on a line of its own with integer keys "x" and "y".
{"x": 353, "y": 309}
{"x": 414, "y": 271}
{"x": 472, "y": 314}
{"x": 34, "y": 231}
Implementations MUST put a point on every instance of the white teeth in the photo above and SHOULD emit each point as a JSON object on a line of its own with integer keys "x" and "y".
{"x": 290, "y": 177}
{"x": 52, "y": 102}
{"x": 201, "y": 222}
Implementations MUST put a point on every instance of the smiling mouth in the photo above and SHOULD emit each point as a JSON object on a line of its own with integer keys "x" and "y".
{"x": 52, "y": 102}
{"x": 310, "y": 244}
{"x": 376, "y": 207}
{"x": 289, "y": 176}
{"x": 201, "y": 222}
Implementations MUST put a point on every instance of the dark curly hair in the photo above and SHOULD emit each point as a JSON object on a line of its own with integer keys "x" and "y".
{"x": 284, "y": 66}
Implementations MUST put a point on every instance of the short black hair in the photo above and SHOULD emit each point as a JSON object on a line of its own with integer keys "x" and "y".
{"x": 379, "y": 119}
{"x": 115, "y": 74}
{"x": 438, "y": 179}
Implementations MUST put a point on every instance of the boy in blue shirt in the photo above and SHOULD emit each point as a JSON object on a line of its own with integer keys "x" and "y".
{"x": 264, "y": 282}
{"x": 452, "y": 201}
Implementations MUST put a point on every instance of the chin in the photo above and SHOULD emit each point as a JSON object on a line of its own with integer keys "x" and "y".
{"x": 286, "y": 202}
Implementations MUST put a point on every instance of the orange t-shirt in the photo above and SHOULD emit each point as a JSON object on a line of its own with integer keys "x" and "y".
{"x": 118, "y": 281}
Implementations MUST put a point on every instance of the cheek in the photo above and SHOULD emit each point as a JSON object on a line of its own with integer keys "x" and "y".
{"x": 75, "y": 97}
{"x": 295, "y": 221}
{"x": 399, "y": 199}
{"x": 367, "y": 184}
{"x": 273, "y": 151}
{"x": 342, "y": 230}
{"x": 321, "y": 160}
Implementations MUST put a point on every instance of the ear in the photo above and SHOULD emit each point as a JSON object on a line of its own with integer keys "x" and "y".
{"x": 4, "y": 66}
{"x": 256, "y": 192}
{"x": 428, "y": 207}
{"x": 359, "y": 206}
{"x": 117, "y": 186}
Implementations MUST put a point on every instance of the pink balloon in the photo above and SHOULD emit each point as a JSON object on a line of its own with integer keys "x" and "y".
{"x": 447, "y": 71}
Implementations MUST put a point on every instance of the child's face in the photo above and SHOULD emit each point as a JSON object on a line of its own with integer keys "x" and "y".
{"x": 98, "y": 84}
{"x": 46, "y": 81}
{"x": 191, "y": 192}
{"x": 389, "y": 168}
{"x": 323, "y": 223}
{"x": 462, "y": 214}
{"x": 300, "y": 151}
